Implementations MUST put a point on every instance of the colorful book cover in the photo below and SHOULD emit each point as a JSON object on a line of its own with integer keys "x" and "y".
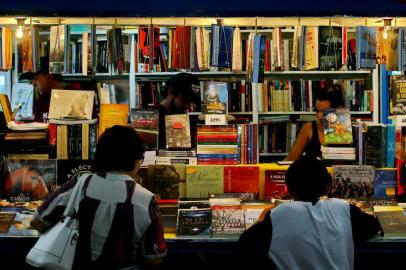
{"x": 177, "y": 131}
{"x": 366, "y": 47}
{"x": 168, "y": 182}
{"x": 353, "y": 181}
{"x": 215, "y": 97}
{"x": 241, "y": 179}
{"x": 275, "y": 185}
{"x": 202, "y": 181}
{"x": 71, "y": 104}
{"x": 337, "y": 127}
{"x": 387, "y": 47}
{"x": 29, "y": 180}
{"x": 385, "y": 184}
{"x": 330, "y": 47}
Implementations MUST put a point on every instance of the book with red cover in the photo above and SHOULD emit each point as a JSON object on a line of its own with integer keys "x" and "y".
{"x": 275, "y": 186}
{"x": 241, "y": 179}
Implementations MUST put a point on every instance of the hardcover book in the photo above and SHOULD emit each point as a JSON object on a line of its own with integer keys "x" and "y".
{"x": 353, "y": 181}
{"x": 399, "y": 97}
{"x": 168, "y": 182}
{"x": 221, "y": 46}
{"x": 385, "y": 184}
{"x": 311, "y": 48}
{"x": 111, "y": 115}
{"x": 215, "y": 97}
{"x": 71, "y": 104}
{"x": 202, "y": 181}
{"x": 29, "y": 180}
{"x": 366, "y": 47}
{"x": 241, "y": 179}
{"x": 145, "y": 122}
{"x": 392, "y": 220}
{"x": 330, "y": 47}
{"x": 337, "y": 127}
{"x": 177, "y": 131}
{"x": 387, "y": 48}
{"x": 227, "y": 219}
{"x": 275, "y": 185}
{"x": 194, "y": 222}
{"x": 22, "y": 100}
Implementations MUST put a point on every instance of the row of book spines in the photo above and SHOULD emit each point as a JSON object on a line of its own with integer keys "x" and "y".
{"x": 275, "y": 138}
{"x": 380, "y": 145}
{"x": 249, "y": 143}
{"x": 72, "y": 141}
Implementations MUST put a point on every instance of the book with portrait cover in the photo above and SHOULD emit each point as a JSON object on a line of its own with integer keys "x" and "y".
{"x": 337, "y": 127}
{"x": 177, "y": 128}
{"x": 29, "y": 180}
{"x": 71, "y": 104}
{"x": 215, "y": 97}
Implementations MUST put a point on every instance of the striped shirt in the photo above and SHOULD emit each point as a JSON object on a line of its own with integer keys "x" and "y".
{"x": 119, "y": 221}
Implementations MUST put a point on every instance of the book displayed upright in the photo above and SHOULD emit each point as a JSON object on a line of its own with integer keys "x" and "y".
{"x": 71, "y": 104}
{"x": 177, "y": 131}
{"x": 215, "y": 97}
{"x": 337, "y": 127}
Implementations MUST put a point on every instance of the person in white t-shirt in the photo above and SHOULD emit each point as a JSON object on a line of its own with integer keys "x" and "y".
{"x": 311, "y": 232}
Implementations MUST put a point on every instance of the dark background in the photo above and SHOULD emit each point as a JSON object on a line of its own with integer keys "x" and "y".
{"x": 240, "y": 8}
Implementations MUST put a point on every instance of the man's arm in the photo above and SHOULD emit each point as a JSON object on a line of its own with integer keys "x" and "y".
{"x": 364, "y": 226}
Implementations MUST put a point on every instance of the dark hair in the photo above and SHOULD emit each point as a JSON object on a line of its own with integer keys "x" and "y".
{"x": 186, "y": 85}
{"x": 333, "y": 93}
{"x": 117, "y": 150}
{"x": 307, "y": 179}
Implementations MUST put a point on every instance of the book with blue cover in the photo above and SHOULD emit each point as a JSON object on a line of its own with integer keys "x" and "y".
{"x": 215, "y": 97}
{"x": 221, "y": 46}
{"x": 366, "y": 47}
{"x": 385, "y": 183}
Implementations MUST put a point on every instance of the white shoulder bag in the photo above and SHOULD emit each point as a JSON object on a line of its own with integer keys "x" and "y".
{"x": 55, "y": 249}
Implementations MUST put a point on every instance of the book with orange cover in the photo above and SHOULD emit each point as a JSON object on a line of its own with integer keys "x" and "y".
{"x": 241, "y": 179}
{"x": 111, "y": 115}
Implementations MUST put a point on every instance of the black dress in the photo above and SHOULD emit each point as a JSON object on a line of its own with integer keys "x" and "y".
{"x": 312, "y": 148}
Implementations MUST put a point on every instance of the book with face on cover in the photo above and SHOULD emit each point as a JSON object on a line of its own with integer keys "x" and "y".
{"x": 215, "y": 97}
{"x": 28, "y": 180}
{"x": 177, "y": 131}
{"x": 71, "y": 104}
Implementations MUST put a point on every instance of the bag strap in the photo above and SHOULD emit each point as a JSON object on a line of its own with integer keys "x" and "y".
{"x": 75, "y": 195}
{"x": 130, "y": 185}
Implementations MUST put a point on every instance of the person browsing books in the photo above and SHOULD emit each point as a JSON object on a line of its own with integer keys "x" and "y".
{"x": 44, "y": 82}
{"x": 182, "y": 95}
{"x": 120, "y": 225}
{"x": 312, "y": 232}
{"x": 311, "y": 136}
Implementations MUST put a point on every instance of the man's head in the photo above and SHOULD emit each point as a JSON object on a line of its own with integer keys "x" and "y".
{"x": 183, "y": 90}
{"x": 42, "y": 80}
{"x": 307, "y": 179}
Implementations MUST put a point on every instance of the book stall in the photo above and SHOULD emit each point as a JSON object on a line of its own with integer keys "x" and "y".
{"x": 219, "y": 166}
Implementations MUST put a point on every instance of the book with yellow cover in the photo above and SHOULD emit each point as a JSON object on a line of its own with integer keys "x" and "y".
{"x": 311, "y": 48}
{"x": 5, "y": 107}
{"x": 111, "y": 115}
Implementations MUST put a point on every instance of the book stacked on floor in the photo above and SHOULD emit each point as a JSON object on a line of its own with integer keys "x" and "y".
{"x": 217, "y": 145}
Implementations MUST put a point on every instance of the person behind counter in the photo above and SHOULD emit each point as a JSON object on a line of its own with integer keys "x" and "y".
{"x": 182, "y": 95}
{"x": 311, "y": 136}
{"x": 312, "y": 232}
{"x": 44, "y": 82}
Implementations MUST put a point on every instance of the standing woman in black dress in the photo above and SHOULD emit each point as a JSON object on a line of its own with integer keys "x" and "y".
{"x": 311, "y": 136}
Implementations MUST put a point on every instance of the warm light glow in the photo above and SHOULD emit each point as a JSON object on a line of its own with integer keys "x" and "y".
{"x": 19, "y": 32}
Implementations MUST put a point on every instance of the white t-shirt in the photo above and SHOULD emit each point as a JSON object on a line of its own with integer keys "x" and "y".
{"x": 319, "y": 235}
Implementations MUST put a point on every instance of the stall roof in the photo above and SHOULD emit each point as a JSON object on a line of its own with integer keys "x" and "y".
{"x": 222, "y": 8}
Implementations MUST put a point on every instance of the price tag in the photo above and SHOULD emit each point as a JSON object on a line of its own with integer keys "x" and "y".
{"x": 215, "y": 119}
